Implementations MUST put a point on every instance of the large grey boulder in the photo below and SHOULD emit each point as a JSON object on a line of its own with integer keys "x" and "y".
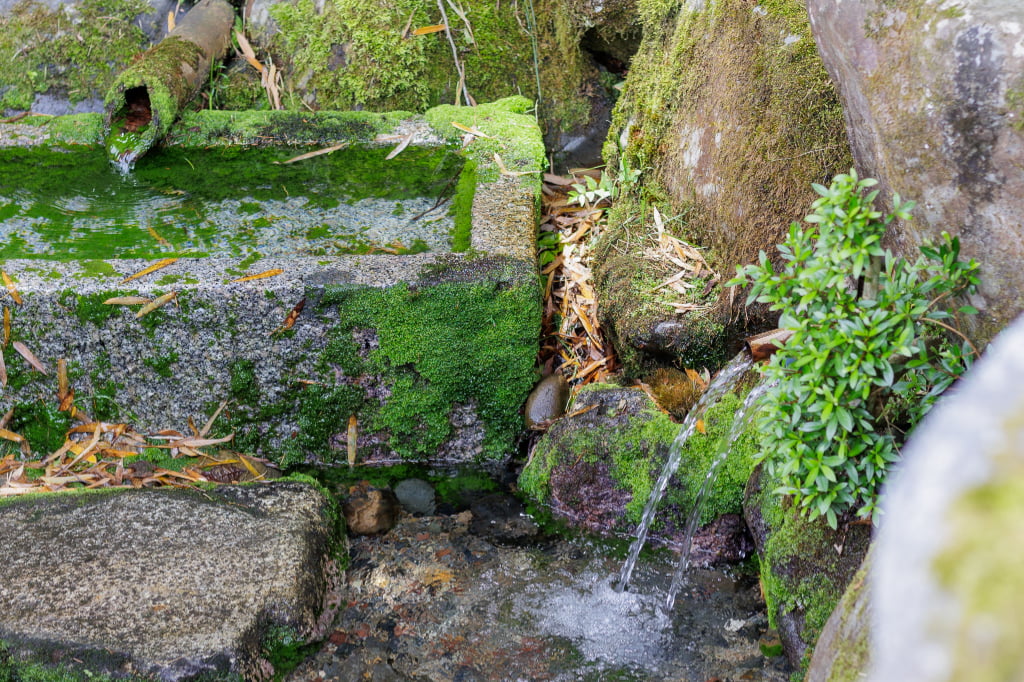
{"x": 933, "y": 93}
{"x": 172, "y": 584}
{"x": 948, "y": 570}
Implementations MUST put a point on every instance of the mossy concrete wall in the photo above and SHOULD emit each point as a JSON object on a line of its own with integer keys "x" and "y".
{"x": 933, "y": 92}
{"x": 730, "y": 112}
{"x": 432, "y": 354}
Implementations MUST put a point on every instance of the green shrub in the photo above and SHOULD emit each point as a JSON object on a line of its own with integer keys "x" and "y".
{"x": 871, "y": 349}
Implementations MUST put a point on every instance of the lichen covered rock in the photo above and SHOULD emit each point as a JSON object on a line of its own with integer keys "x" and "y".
{"x": 843, "y": 650}
{"x": 934, "y": 101}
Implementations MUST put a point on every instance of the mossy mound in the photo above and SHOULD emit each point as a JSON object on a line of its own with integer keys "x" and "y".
{"x": 733, "y": 115}
{"x": 597, "y": 469}
{"x": 805, "y": 565}
{"x": 74, "y": 53}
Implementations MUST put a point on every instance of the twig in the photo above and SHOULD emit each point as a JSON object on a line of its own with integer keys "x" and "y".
{"x": 461, "y": 88}
{"x": 955, "y": 331}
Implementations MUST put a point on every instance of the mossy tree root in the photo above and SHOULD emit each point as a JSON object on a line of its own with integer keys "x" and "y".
{"x": 147, "y": 97}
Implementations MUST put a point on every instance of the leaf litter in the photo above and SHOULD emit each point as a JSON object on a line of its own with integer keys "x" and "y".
{"x": 572, "y": 338}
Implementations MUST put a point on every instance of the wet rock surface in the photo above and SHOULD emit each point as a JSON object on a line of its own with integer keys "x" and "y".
{"x": 370, "y": 510}
{"x": 433, "y": 601}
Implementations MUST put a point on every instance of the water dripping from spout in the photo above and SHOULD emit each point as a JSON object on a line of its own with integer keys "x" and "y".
{"x": 740, "y": 422}
{"x": 721, "y": 384}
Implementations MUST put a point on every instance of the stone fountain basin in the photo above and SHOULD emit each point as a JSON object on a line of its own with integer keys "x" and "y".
{"x": 421, "y": 356}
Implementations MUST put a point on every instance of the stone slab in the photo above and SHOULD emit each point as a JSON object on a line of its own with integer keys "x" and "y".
{"x": 166, "y": 583}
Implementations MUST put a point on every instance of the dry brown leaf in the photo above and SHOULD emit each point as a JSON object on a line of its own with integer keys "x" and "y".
{"x": 30, "y": 358}
{"x": 247, "y": 52}
{"x": 11, "y": 289}
{"x": 310, "y": 155}
{"x": 3, "y": 370}
{"x": 126, "y": 300}
{"x": 152, "y": 268}
{"x": 158, "y": 302}
{"x": 289, "y": 321}
{"x": 471, "y": 131}
{"x": 399, "y": 147}
{"x": 505, "y": 171}
{"x": 209, "y": 423}
{"x": 17, "y": 438}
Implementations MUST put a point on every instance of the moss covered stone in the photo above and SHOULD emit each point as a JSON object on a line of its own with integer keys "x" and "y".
{"x": 805, "y": 565}
{"x": 598, "y": 468}
{"x": 731, "y": 113}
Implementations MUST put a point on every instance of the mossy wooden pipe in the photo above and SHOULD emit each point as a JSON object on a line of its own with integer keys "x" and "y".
{"x": 147, "y": 97}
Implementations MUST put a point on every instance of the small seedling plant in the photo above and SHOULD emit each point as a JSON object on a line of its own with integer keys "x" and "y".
{"x": 875, "y": 342}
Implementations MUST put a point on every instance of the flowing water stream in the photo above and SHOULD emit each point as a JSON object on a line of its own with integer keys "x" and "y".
{"x": 721, "y": 384}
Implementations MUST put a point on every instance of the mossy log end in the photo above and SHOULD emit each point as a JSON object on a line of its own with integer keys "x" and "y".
{"x": 147, "y": 97}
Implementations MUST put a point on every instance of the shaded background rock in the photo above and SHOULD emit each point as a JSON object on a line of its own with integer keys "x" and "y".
{"x": 416, "y": 496}
{"x": 933, "y": 96}
{"x": 167, "y": 583}
{"x": 502, "y": 519}
{"x": 843, "y": 650}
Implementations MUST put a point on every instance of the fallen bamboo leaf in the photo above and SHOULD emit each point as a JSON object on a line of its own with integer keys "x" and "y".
{"x": 260, "y": 275}
{"x": 559, "y": 180}
{"x": 195, "y": 442}
{"x": 30, "y": 358}
{"x": 506, "y": 171}
{"x": 353, "y": 439}
{"x": 310, "y": 155}
{"x": 17, "y": 438}
{"x": 160, "y": 240}
{"x": 3, "y": 370}
{"x": 471, "y": 131}
{"x": 170, "y": 21}
{"x": 700, "y": 426}
{"x": 158, "y": 302}
{"x": 289, "y": 321}
{"x": 152, "y": 268}
{"x": 11, "y": 288}
{"x": 399, "y": 147}
{"x": 209, "y": 423}
{"x": 7, "y": 326}
{"x": 247, "y": 52}
{"x": 427, "y": 30}
{"x": 126, "y": 300}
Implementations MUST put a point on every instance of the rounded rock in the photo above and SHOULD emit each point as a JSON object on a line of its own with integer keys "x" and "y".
{"x": 547, "y": 401}
{"x": 416, "y": 496}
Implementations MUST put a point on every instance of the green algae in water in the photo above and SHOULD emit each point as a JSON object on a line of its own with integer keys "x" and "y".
{"x": 223, "y": 202}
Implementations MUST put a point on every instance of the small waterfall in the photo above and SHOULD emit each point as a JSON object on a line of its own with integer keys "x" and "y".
{"x": 739, "y": 424}
{"x": 724, "y": 381}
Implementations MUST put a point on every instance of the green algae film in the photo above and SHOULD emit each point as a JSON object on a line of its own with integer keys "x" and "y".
{"x": 225, "y": 202}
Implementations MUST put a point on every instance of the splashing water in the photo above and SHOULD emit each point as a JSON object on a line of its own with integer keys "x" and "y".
{"x": 740, "y": 421}
{"x": 721, "y": 384}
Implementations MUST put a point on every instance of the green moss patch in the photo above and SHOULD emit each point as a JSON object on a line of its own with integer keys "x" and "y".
{"x": 401, "y": 358}
{"x": 45, "y": 50}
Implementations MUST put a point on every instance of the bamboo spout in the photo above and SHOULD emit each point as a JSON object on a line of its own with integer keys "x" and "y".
{"x": 763, "y": 346}
{"x": 148, "y": 96}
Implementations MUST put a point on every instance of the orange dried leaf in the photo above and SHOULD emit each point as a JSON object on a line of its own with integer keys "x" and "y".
{"x": 62, "y": 379}
{"x": 353, "y": 438}
{"x": 152, "y": 268}
{"x": 11, "y": 289}
{"x": 427, "y": 30}
{"x": 259, "y": 275}
{"x": 158, "y": 302}
{"x": 30, "y": 358}
{"x": 170, "y": 21}
{"x": 289, "y": 321}
{"x": 700, "y": 426}
{"x": 17, "y": 438}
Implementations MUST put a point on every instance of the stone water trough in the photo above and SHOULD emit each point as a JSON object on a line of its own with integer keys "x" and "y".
{"x": 413, "y": 329}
